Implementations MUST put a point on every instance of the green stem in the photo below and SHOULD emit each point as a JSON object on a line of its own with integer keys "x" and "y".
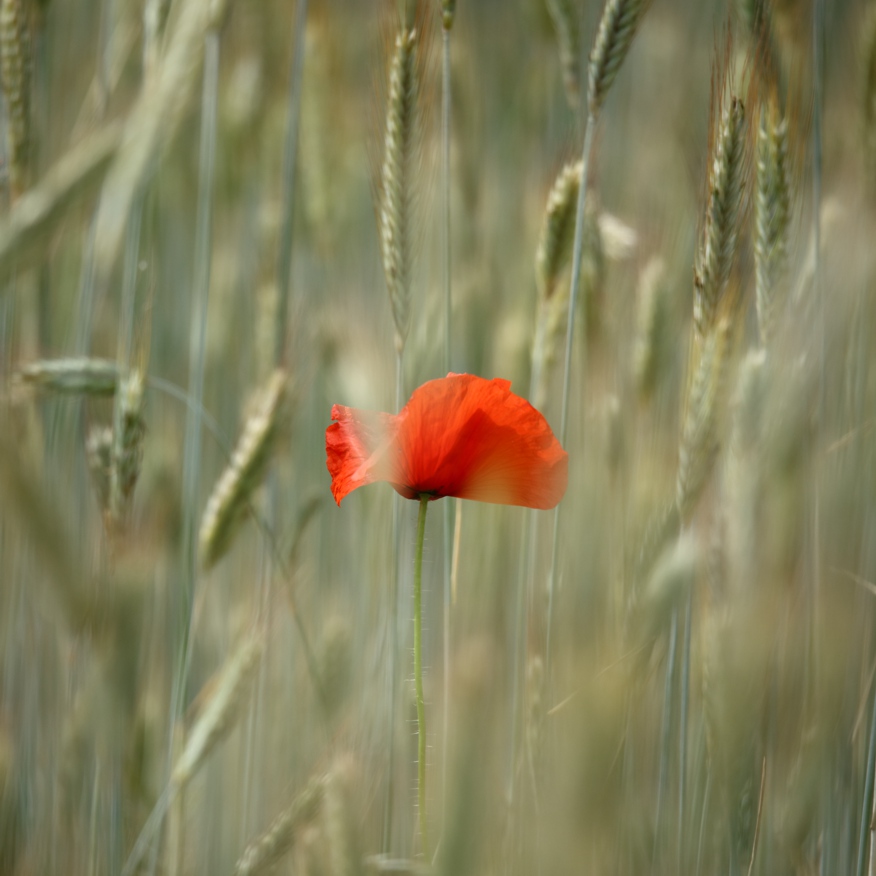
{"x": 418, "y": 673}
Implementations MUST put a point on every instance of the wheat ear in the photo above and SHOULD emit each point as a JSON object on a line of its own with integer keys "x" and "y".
{"x": 772, "y": 216}
{"x": 557, "y": 229}
{"x": 127, "y": 446}
{"x": 75, "y": 376}
{"x": 245, "y": 472}
{"x": 267, "y": 850}
{"x": 565, "y": 15}
{"x": 397, "y": 181}
{"x": 221, "y": 711}
{"x": 617, "y": 27}
{"x": 726, "y": 188}
{"x": 15, "y": 63}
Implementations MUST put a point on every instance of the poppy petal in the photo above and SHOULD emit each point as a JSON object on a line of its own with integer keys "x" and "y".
{"x": 472, "y": 438}
{"x": 461, "y": 436}
{"x": 357, "y": 449}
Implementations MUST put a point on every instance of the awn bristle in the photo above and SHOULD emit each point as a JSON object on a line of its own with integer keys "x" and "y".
{"x": 397, "y": 181}
{"x": 565, "y": 15}
{"x": 267, "y": 850}
{"x": 15, "y": 73}
{"x": 772, "y": 218}
{"x": 617, "y": 28}
{"x": 244, "y": 473}
{"x": 726, "y": 193}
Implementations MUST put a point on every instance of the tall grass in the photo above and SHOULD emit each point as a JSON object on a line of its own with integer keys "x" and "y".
{"x": 171, "y": 228}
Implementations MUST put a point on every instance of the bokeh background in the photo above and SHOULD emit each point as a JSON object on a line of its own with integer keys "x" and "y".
{"x": 617, "y": 753}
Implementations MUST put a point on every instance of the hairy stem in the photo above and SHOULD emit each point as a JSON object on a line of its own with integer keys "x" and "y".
{"x": 418, "y": 674}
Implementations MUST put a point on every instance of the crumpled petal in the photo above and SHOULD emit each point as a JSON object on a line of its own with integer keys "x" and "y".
{"x": 461, "y": 436}
{"x": 356, "y": 448}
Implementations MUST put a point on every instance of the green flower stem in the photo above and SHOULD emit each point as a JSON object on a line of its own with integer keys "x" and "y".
{"x": 418, "y": 673}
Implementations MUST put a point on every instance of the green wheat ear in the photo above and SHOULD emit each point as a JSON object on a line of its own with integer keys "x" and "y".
{"x": 617, "y": 28}
{"x": 397, "y": 181}
{"x": 772, "y": 218}
{"x": 15, "y": 75}
{"x": 727, "y": 178}
{"x": 245, "y": 472}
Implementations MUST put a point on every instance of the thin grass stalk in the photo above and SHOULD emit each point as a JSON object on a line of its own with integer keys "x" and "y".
{"x": 290, "y": 151}
{"x": 682, "y": 726}
{"x": 665, "y": 733}
{"x": 865, "y": 831}
{"x": 418, "y": 677}
{"x": 197, "y": 360}
{"x": 448, "y": 311}
{"x": 818, "y": 292}
{"x": 577, "y": 253}
{"x": 394, "y": 618}
{"x": 200, "y": 303}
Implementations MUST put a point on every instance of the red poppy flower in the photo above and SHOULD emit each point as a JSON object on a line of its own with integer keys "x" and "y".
{"x": 459, "y": 435}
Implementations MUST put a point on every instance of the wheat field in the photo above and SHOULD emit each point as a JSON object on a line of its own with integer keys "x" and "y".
{"x": 218, "y": 219}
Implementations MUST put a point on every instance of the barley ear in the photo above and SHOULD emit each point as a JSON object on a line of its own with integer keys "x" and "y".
{"x": 723, "y": 215}
{"x": 267, "y": 850}
{"x": 617, "y": 27}
{"x": 772, "y": 217}
{"x": 396, "y": 184}
{"x": 15, "y": 63}
{"x": 221, "y": 711}
{"x": 565, "y": 15}
{"x": 245, "y": 472}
